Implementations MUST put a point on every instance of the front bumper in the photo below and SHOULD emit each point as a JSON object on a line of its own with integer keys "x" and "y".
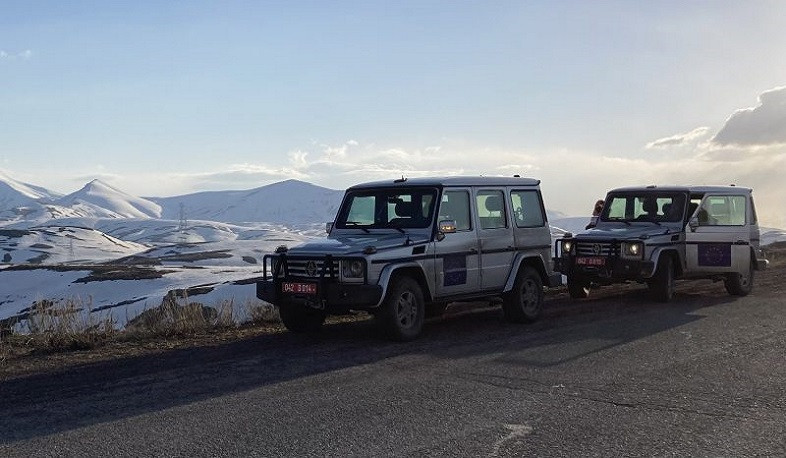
{"x": 614, "y": 269}
{"x": 331, "y": 296}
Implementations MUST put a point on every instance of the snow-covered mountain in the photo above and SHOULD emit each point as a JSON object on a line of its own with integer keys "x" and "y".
{"x": 18, "y": 198}
{"x": 98, "y": 199}
{"x": 287, "y": 202}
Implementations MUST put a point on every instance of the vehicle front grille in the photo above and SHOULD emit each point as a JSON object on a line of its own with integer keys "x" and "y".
{"x": 595, "y": 249}
{"x": 310, "y": 268}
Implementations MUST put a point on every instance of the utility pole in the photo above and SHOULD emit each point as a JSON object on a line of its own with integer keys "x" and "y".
{"x": 183, "y": 221}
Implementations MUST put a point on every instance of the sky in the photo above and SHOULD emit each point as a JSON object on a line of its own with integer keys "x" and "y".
{"x": 168, "y": 98}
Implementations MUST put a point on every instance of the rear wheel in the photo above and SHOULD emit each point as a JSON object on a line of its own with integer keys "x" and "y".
{"x": 299, "y": 318}
{"x": 403, "y": 311}
{"x": 578, "y": 287}
{"x": 741, "y": 283}
{"x": 662, "y": 283}
{"x": 524, "y": 303}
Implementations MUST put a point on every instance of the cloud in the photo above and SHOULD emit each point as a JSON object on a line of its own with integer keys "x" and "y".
{"x": 679, "y": 139}
{"x": 762, "y": 125}
{"x": 22, "y": 55}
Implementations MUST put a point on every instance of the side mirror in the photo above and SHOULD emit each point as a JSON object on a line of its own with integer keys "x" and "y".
{"x": 693, "y": 223}
{"x": 447, "y": 226}
{"x": 328, "y": 227}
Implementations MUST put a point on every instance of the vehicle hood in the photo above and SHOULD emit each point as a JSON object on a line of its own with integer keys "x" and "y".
{"x": 622, "y": 231}
{"x": 355, "y": 243}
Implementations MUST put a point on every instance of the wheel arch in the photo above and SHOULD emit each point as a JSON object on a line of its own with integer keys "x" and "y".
{"x": 532, "y": 260}
{"x": 412, "y": 270}
{"x": 677, "y": 261}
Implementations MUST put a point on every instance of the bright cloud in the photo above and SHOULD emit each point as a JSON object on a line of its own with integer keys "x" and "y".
{"x": 762, "y": 125}
{"x": 679, "y": 139}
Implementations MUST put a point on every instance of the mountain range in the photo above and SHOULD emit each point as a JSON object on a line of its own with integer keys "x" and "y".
{"x": 287, "y": 202}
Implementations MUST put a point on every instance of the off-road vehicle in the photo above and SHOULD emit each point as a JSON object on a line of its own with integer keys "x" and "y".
{"x": 404, "y": 249}
{"x": 656, "y": 234}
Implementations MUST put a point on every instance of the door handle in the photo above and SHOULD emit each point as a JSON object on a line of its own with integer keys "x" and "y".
{"x": 473, "y": 250}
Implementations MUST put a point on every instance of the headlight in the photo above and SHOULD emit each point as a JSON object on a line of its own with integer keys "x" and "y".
{"x": 632, "y": 250}
{"x": 567, "y": 246}
{"x": 352, "y": 269}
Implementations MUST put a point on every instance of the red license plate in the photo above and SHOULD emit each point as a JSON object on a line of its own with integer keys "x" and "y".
{"x": 591, "y": 261}
{"x": 299, "y": 288}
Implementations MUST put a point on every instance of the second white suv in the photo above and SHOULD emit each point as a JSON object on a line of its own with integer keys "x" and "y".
{"x": 655, "y": 234}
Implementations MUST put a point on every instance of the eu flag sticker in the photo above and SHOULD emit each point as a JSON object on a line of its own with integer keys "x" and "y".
{"x": 455, "y": 268}
{"x": 715, "y": 254}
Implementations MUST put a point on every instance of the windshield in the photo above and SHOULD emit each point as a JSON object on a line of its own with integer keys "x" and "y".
{"x": 644, "y": 206}
{"x": 388, "y": 208}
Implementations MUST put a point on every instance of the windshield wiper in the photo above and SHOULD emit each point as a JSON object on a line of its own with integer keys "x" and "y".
{"x": 356, "y": 224}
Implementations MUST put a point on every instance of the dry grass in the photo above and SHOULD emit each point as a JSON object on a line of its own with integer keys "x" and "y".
{"x": 66, "y": 325}
{"x": 61, "y": 326}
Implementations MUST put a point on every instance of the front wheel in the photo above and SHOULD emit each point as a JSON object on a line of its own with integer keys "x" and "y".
{"x": 524, "y": 303}
{"x": 299, "y": 318}
{"x": 403, "y": 311}
{"x": 662, "y": 283}
{"x": 741, "y": 283}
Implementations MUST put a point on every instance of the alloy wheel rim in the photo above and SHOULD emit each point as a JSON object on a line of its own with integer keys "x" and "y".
{"x": 529, "y": 295}
{"x": 406, "y": 309}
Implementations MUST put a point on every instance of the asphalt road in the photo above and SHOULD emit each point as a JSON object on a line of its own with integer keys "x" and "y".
{"x": 614, "y": 375}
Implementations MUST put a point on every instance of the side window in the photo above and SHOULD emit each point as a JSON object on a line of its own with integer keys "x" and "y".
{"x": 455, "y": 206}
{"x": 527, "y": 211}
{"x": 722, "y": 211}
{"x": 491, "y": 209}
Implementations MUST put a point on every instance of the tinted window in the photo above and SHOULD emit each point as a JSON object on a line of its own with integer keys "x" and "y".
{"x": 527, "y": 210}
{"x": 455, "y": 206}
{"x": 491, "y": 209}
{"x": 722, "y": 211}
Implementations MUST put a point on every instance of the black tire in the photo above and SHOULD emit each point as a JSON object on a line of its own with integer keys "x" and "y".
{"x": 741, "y": 283}
{"x": 403, "y": 310}
{"x": 300, "y": 319}
{"x": 578, "y": 287}
{"x": 524, "y": 302}
{"x": 662, "y": 283}
{"x": 435, "y": 309}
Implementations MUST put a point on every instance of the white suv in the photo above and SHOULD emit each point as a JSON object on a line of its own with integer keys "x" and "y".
{"x": 404, "y": 249}
{"x": 655, "y": 234}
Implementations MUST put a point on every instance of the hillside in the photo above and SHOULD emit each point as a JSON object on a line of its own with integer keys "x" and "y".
{"x": 18, "y": 198}
{"x": 98, "y": 199}
{"x": 287, "y": 202}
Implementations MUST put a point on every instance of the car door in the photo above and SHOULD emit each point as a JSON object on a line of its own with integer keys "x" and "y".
{"x": 718, "y": 238}
{"x": 495, "y": 233}
{"x": 457, "y": 260}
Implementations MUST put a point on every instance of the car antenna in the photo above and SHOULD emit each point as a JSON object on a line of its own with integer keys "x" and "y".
{"x": 400, "y": 180}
